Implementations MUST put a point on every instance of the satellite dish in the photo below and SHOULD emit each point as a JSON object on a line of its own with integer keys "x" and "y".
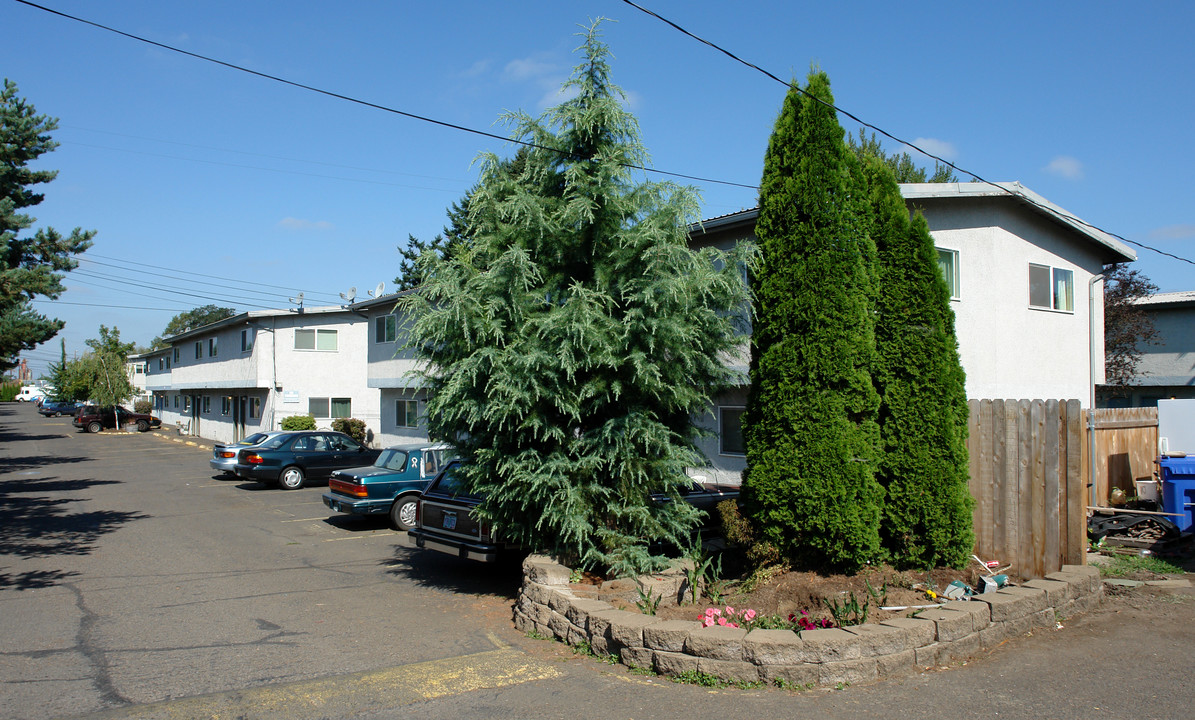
{"x": 377, "y": 292}
{"x": 350, "y": 296}
{"x": 298, "y": 300}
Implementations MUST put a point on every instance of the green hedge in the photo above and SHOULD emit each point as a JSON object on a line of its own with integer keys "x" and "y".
{"x": 298, "y": 422}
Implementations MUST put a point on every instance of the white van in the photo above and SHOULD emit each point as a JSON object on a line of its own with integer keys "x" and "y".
{"x": 30, "y": 392}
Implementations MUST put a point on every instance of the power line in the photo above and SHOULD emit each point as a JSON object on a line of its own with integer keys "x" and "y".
{"x": 181, "y": 278}
{"x": 890, "y": 136}
{"x": 103, "y": 305}
{"x": 162, "y": 288}
{"x": 217, "y": 277}
{"x": 349, "y": 98}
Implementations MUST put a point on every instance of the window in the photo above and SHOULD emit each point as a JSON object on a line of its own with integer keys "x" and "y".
{"x": 176, "y": 402}
{"x": 406, "y": 413}
{"x": 175, "y": 357}
{"x": 138, "y": 369}
{"x": 385, "y": 329}
{"x": 198, "y": 349}
{"x": 161, "y": 364}
{"x": 254, "y": 407}
{"x": 226, "y": 406}
{"x": 207, "y": 404}
{"x": 730, "y": 430}
{"x": 211, "y": 347}
{"x": 330, "y": 407}
{"x": 246, "y": 340}
{"x": 167, "y": 363}
{"x": 315, "y": 340}
{"x": 948, "y": 264}
{"x": 186, "y": 403}
{"x": 1051, "y": 288}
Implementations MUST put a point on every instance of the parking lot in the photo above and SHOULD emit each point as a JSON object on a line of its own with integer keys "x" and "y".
{"x": 135, "y": 584}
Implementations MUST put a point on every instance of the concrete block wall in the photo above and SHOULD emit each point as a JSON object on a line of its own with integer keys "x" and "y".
{"x": 955, "y": 631}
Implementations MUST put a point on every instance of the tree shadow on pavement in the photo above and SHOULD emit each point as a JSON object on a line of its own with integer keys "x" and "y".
{"x": 427, "y": 568}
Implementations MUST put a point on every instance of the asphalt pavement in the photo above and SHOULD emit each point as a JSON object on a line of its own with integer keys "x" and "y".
{"x": 135, "y": 584}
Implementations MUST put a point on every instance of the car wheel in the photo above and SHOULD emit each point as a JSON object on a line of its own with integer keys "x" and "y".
{"x": 57, "y": 414}
{"x": 94, "y": 427}
{"x": 402, "y": 512}
{"x": 142, "y": 426}
{"x": 291, "y": 478}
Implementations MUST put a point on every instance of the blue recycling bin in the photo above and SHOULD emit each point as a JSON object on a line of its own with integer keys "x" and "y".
{"x": 1178, "y": 489}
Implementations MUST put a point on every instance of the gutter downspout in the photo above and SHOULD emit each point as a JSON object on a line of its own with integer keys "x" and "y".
{"x": 1091, "y": 383}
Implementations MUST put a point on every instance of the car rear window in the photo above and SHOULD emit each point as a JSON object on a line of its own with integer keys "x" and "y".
{"x": 253, "y": 439}
{"x": 391, "y": 459}
{"x": 451, "y": 483}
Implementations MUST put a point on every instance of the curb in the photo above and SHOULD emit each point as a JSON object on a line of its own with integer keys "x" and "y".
{"x": 899, "y": 646}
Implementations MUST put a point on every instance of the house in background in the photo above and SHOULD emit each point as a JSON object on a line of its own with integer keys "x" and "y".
{"x": 1022, "y": 277}
{"x": 246, "y": 373}
{"x": 135, "y": 367}
{"x": 1167, "y": 368}
{"x": 392, "y": 374}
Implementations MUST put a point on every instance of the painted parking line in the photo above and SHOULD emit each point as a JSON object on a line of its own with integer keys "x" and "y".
{"x": 356, "y": 694}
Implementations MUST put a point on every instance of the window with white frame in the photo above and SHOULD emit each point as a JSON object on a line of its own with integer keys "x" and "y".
{"x": 406, "y": 413}
{"x": 1051, "y": 288}
{"x": 198, "y": 349}
{"x": 226, "y": 406}
{"x": 948, "y": 264}
{"x": 138, "y": 369}
{"x": 315, "y": 339}
{"x": 211, "y": 347}
{"x": 730, "y": 430}
{"x": 322, "y": 407}
{"x": 385, "y": 329}
{"x": 247, "y": 340}
{"x": 254, "y": 407}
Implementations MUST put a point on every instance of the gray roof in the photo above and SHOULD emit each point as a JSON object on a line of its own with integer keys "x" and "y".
{"x": 1171, "y": 299}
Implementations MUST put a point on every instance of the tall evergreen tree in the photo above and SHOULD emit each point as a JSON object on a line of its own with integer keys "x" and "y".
{"x": 923, "y": 402}
{"x": 810, "y": 424}
{"x": 901, "y": 164}
{"x": 29, "y": 266}
{"x": 575, "y": 338}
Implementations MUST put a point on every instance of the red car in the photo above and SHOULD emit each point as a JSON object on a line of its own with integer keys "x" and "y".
{"x": 93, "y": 418}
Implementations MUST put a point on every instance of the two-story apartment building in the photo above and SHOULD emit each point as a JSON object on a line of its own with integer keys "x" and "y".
{"x": 1024, "y": 277}
{"x": 245, "y": 373}
{"x": 1167, "y": 367}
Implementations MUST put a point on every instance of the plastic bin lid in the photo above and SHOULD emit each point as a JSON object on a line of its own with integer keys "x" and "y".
{"x": 1178, "y": 465}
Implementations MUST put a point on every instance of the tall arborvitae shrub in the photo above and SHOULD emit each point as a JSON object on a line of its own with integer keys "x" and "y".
{"x": 923, "y": 402}
{"x": 570, "y": 343}
{"x": 810, "y": 424}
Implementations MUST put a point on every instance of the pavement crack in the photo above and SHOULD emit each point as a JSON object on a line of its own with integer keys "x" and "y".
{"x": 88, "y": 646}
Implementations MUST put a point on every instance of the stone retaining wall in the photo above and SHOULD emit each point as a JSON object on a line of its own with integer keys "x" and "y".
{"x": 958, "y": 630}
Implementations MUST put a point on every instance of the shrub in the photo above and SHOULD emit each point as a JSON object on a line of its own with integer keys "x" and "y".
{"x": 352, "y": 427}
{"x": 298, "y": 422}
{"x": 145, "y": 407}
{"x": 9, "y": 391}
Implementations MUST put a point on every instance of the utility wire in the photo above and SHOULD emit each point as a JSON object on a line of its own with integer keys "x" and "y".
{"x": 349, "y": 98}
{"x": 218, "y": 277}
{"x": 152, "y": 286}
{"x": 182, "y": 278}
{"x": 794, "y": 86}
{"x": 103, "y": 305}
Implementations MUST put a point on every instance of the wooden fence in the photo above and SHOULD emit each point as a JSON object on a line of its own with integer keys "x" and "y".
{"x": 1126, "y": 445}
{"x": 1028, "y": 481}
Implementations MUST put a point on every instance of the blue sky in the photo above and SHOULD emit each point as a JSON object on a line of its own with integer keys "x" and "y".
{"x": 208, "y": 185}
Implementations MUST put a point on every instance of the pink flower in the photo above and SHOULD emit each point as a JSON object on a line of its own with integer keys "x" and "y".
{"x": 750, "y": 614}
{"x": 729, "y": 610}
{"x": 722, "y": 621}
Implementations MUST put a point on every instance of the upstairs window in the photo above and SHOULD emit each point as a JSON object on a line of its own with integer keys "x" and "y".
{"x": 385, "y": 329}
{"x": 198, "y": 349}
{"x": 246, "y": 340}
{"x": 314, "y": 339}
{"x": 407, "y": 413}
{"x": 211, "y": 347}
{"x": 948, "y": 264}
{"x": 175, "y": 356}
{"x": 1051, "y": 288}
{"x": 730, "y": 431}
{"x": 322, "y": 407}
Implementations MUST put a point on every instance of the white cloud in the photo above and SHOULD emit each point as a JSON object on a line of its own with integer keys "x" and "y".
{"x": 297, "y": 224}
{"x": 1065, "y": 166}
{"x": 478, "y": 68}
{"x": 933, "y": 146}
{"x": 1173, "y": 232}
{"x": 527, "y": 69}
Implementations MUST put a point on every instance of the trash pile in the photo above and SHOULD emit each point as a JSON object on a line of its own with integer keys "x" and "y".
{"x": 994, "y": 578}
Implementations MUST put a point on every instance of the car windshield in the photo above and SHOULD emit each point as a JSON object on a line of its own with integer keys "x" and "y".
{"x": 391, "y": 459}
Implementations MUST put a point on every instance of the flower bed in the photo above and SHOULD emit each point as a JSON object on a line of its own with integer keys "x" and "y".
{"x": 548, "y": 606}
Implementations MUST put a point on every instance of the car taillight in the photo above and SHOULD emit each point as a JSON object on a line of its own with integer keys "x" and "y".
{"x": 348, "y": 488}
{"x": 227, "y": 454}
{"x": 254, "y": 459}
{"x": 418, "y": 513}
{"x": 483, "y": 531}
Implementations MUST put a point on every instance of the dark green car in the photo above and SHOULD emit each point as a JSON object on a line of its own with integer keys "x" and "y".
{"x": 391, "y": 485}
{"x": 291, "y": 459}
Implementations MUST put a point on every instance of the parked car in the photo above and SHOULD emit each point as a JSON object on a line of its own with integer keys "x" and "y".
{"x": 291, "y": 459}
{"x": 445, "y": 520}
{"x": 94, "y": 418}
{"x": 391, "y": 485}
{"x": 55, "y": 408}
{"x": 224, "y": 457}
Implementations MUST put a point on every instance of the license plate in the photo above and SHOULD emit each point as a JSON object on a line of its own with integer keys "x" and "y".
{"x": 449, "y": 521}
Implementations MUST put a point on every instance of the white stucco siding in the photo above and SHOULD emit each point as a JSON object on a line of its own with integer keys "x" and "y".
{"x": 1008, "y": 348}
{"x": 304, "y": 374}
